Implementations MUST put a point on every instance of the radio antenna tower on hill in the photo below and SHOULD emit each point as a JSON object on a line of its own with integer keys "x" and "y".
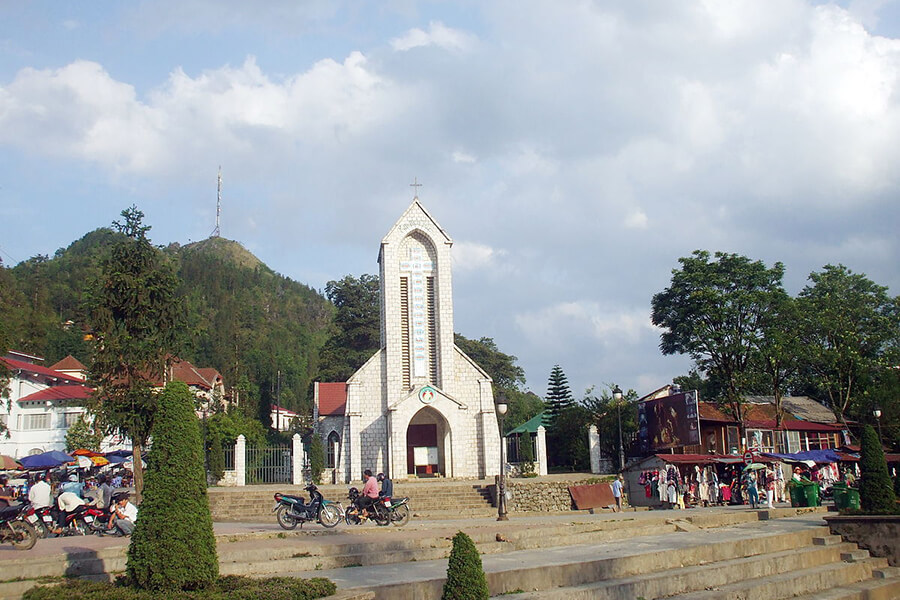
{"x": 215, "y": 232}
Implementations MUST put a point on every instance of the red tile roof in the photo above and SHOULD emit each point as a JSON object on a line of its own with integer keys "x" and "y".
{"x": 284, "y": 411}
{"x": 69, "y": 363}
{"x": 332, "y": 398}
{"x": 709, "y": 412}
{"x": 18, "y": 365}
{"x": 60, "y": 392}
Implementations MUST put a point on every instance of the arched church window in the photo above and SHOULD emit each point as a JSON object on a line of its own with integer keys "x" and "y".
{"x": 332, "y": 450}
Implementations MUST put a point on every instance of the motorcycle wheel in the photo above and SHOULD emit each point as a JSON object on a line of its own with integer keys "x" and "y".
{"x": 381, "y": 517}
{"x": 351, "y": 515}
{"x": 284, "y": 518}
{"x": 330, "y": 515}
{"x": 82, "y": 528}
{"x": 400, "y": 516}
{"x": 23, "y": 536}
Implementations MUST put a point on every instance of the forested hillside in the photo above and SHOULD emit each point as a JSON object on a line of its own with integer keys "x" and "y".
{"x": 243, "y": 318}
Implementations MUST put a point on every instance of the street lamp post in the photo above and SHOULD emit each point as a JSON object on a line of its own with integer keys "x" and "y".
{"x": 617, "y": 396}
{"x": 877, "y": 412}
{"x": 501, "y": 407}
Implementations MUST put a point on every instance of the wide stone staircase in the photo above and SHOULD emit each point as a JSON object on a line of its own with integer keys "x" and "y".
{"x": 431, "y": 499}
{"x": 719, "y": 554}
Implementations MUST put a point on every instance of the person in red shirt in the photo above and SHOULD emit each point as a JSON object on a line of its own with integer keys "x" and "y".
{"x": 370, "y": 490}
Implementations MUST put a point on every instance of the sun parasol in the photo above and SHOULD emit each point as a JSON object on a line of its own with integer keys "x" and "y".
{"x": 47, "y": 460}
{"x": 99, "y": 461}
{"x": 8, "y": 463}
{"x": 754, "y": 467}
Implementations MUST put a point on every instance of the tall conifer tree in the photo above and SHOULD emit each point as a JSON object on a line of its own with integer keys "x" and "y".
{"x": 559, "y": 396}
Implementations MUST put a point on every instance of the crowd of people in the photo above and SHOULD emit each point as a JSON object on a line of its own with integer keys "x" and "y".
{"x": 67, "y": 493}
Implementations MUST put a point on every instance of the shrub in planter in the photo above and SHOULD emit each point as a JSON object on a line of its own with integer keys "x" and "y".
{"x": 876, "y": 491}
{"x": 465, "y": 575}
{"x": 173, "y": 547}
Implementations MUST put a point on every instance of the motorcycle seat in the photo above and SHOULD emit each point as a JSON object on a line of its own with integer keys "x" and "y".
{"x": 8, "y": 512}
{"x": 294, "y": 498}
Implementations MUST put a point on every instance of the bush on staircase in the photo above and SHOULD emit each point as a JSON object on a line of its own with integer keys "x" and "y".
{"x": 876, "y": 492}
{"x": 465, "y": 574}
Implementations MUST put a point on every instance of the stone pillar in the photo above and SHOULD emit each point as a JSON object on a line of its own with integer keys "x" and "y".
{"x": 542, "y": 450}
{"x": 240, "y": 460}
{"x": 297, "y": 459}
{"x": 594, "y": 447}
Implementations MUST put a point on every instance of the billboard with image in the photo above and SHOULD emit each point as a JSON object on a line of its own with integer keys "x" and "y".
{"x": 669, "y": 422}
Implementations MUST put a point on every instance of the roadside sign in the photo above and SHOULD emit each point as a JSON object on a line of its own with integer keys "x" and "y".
{"x": 748, "y": 458}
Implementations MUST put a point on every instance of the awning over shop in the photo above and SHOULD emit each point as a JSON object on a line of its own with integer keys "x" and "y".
{"x": 699, "y": 459}
{"x": 818, "y": 456}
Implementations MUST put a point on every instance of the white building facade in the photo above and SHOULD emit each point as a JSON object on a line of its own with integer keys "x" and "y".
{"x": 419, "y": 407}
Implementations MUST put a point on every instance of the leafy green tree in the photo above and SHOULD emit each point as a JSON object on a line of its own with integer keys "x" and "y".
{"x": 716, "y": 312}
{"x": 559, "y": 396}
{"x": 465, "y": 573}
{"x": 228, "y": 426}
{"x": 522, "y": 407}
{"x": 605, "y": 413}
{"x": 357, "y": 326}
{"x": 876, "y": 492}
{"x": 779, "y": 350}
{"x": 82, "y": 434}
{"x": 136, "y": 318}
{"x": 850, "y": 327}
{"x": 316, "y": 458}
{"x": 173, "y": 546}
{"x": 526, "y": 454}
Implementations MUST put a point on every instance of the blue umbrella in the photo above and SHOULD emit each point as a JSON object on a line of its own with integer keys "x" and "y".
{"x": 47, "y": 460}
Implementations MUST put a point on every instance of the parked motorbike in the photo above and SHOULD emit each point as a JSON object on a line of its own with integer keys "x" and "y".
{"x": 16, "y": 526}
{"x": 398, "y": 509}
{"x": 45, "y": 522}
{"x": 290, "y": 510}
{"x": 383, "y": 510}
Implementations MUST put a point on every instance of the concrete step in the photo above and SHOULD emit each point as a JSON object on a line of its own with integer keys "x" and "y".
{"x": 670, "y": 582}
{"x": 811, "y": 582}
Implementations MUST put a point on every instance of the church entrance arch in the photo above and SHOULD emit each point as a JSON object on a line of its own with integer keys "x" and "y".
{"x": 427, "y": 444}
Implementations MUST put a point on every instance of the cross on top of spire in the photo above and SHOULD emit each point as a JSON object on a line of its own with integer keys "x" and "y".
{"x": 416, "y": 185}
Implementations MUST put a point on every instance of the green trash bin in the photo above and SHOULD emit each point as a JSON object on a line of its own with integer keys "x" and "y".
{"x": 839, "y": 493}
{"x": 797, "y": 497}
{"x": 811, "y": 494}
{"x": 852, "y": 498}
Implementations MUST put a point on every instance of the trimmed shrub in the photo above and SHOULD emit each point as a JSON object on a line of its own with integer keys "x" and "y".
{"x": 465, "y": 575}
{"x": 316, "y": 458}
{"x": 876, "y": 492}
{"x": 526, "y": 455}
{"x": 897, "y": 485}
{"x": 173, "y": 546}
{"x": 231, "y": 587}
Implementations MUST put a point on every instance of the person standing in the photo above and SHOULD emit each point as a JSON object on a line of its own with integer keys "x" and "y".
{"x": 752, "y": 491}
{"x": 770, "y": 488}
{"x": 617, "y": 493}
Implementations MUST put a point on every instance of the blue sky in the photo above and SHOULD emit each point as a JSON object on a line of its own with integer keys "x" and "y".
{"x": 573, "y": 150}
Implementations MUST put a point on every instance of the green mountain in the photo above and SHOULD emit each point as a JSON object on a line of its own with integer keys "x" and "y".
{"x": 244, "y": 319}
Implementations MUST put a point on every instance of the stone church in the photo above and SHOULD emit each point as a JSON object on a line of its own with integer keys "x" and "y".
{"x": 419, "y": 407}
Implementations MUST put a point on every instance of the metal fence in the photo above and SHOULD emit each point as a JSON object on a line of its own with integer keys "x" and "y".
{"x": 269, "y": 464}
{"x": 229, "y": 459}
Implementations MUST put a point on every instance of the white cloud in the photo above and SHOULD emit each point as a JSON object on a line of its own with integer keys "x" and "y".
{"x": 636, "y": 219}
{"x": 585, "y": 319}
{"x": 463, "y": 157}
{"x": 471, "y": 256}
{"x": 438, "y": 35}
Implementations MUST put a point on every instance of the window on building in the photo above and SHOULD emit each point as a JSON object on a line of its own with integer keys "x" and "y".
{"x": 69, "y": 419}
{"x": 32, "y": 422}
{"x": 331, "y": 451}
{"x": 734, "y": 445}
{"x": 789, "y": 442}
{"x": 4, "y": 420}
{"x": 761, "y": 439}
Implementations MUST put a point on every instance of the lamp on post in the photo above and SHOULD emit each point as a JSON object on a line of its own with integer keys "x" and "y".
{"x": 617, "y": 396}
{"x": 877, "y": 412}
{"x": 501, "y": 407}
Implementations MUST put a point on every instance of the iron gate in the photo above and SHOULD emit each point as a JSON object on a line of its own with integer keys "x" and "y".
{"x": 269, "y": 464}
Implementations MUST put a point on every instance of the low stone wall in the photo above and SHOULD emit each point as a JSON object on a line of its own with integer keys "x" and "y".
{"x": 879, "y": 534}
{"x": 539, "y": 496}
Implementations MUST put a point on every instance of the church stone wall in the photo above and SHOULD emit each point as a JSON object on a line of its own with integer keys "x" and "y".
{"x": 365, "y": 409}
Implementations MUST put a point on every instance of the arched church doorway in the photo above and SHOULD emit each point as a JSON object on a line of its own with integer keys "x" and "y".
{"x": 427, "y": 444}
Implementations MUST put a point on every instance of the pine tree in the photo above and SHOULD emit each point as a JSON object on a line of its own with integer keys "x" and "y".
{"x": 465, "y": 574}
{"x": 559, "y": 396}
{"x": 173, "y": 546}
{"x": 876, "y": 492}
